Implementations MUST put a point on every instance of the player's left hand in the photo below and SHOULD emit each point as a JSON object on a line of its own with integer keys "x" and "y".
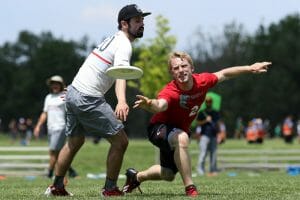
{"x": 260, "y": 67}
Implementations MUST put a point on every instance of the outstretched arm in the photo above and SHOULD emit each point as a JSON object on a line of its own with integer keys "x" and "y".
{"x": 151, "y": 105}
{"x": 231, "y": 72}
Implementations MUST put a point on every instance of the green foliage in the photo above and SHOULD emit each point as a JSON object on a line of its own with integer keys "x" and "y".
{"x": 153, "y": 57}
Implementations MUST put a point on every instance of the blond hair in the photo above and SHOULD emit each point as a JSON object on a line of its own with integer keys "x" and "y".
{"x": 181, "y": 55}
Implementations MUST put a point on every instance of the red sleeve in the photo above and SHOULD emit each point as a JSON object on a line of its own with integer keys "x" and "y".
{"x": 207, "y": 80}
{"x": 166, "y": 93}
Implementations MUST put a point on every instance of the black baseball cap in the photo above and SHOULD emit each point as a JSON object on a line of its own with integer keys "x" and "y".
{"x": 130, "y": 11}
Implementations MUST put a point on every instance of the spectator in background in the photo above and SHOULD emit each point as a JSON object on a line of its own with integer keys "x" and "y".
{"x": 55, "y": 115}
{"x": 29, "y": 130}
{"x": 277, "y": 130}
{"x": 22, "y": 130}
{"x": 298, "y": 130}
{"x": 266, "y": 126}
{"x": 208, "y": 119}
{"x": 287, "y": 129}
{"x": 255, "y": 132}
{"x": 239, "y": 128}
{"x": 13, "y": 130}
{"x": 260, "y": 130}
{"x": 251, "y": 132}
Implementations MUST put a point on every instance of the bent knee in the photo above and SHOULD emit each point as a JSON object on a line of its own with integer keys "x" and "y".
{"x": 183, "y": 140}
{"x": 180, "y": 140}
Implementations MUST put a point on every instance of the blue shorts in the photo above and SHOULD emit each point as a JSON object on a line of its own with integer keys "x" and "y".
{"x": 88, "y": 115}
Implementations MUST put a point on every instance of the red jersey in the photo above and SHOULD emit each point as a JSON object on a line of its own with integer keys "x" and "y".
{"x": 183, "y": 106}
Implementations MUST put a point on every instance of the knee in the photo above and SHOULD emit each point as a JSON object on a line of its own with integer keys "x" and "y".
{"x": 74, "y": 143}
{"x": 167, "y": 175}
{"x": 120, "y": 143}
{"x": 179, "y": 140}
{"x": 183, "y": 140}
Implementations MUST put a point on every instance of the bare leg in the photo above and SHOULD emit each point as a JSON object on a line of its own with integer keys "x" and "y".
{"x": 53, "y": 155}
{"x": 203, "y": 147}
{"x": 67, "y": 154}
{"x": 119, "y": 143}
{"x": 53, "y": 158}
{"x": 180, "y": 141}
{"x": 156, "y": 172}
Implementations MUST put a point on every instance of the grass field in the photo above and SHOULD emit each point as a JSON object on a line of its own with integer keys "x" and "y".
{"x": 141, "y": 154}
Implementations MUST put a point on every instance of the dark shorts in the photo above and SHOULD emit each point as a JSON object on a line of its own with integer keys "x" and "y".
{"x": 158, "y": 136}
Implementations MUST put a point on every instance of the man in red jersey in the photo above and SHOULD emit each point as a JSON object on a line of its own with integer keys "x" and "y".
{"x": 175, "y": 108}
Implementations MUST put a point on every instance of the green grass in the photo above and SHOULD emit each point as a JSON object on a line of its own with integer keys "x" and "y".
{"x": 141, "y": 154}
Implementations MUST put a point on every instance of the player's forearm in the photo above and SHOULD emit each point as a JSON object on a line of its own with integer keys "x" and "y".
{"x": 256, "y": 68}
{"x": 120, "y": 90}
{"x": 42, "y": 119}
{"x": 156, "y": 105}
{"x": 232, "y": 72}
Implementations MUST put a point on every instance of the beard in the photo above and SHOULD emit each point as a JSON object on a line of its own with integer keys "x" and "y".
{"x": 136, "y": 34}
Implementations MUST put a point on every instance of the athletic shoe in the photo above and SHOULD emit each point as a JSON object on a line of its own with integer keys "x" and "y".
{"x": 131, "y": 181}
{"x": 53, "y": 191}
{"x": 191, "y": 191}
{"x": 113, "y": 192}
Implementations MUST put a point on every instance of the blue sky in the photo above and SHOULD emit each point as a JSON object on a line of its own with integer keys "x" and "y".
{"x": 72, "y": 19}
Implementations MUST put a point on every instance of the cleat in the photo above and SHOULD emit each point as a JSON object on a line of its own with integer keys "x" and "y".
{"x": 113, "y": 192}
{"x": 53, "y": 191}
{"x": 131, "y": 181}
{"x": 191, "y": 191}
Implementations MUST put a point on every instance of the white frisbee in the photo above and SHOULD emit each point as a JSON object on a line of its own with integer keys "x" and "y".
{"x": 124, "y": 72}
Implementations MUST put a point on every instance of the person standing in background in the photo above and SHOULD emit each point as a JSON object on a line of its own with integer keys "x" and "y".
{"x": 208, "y": 119}
{"x": 13, "y": 130}
{"x": 298, "y": 130}
{"x": 287, "y": 129}
{"x": 55, "y": 115}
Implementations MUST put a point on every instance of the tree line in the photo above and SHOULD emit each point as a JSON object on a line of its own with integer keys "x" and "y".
{"x": 26, "y": 64}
